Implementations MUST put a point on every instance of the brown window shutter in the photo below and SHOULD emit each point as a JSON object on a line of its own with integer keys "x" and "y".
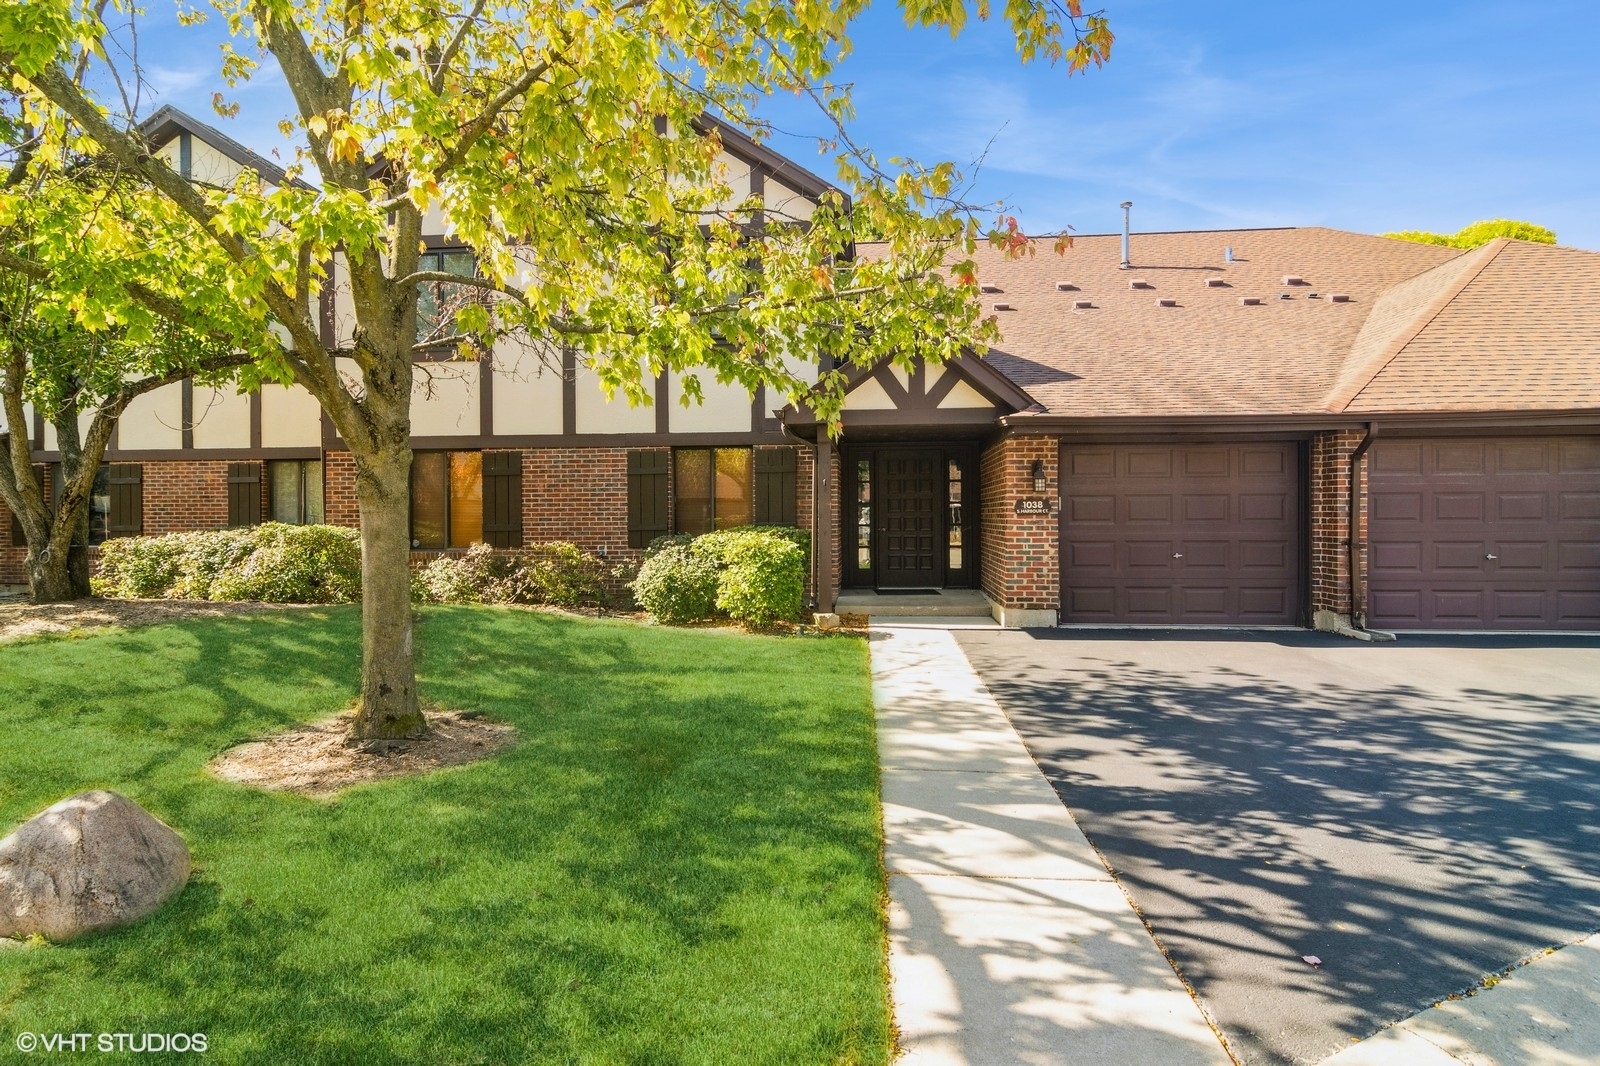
{"x": 127, "y": 500}
{"x": 647, "y": 497}
{"x": 502, "y": 499}
{"x": 244, "y": 494}
{"x": 775, "y": 487}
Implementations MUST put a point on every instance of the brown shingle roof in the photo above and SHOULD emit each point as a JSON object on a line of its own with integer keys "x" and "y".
{"x": 1522, "y": 333}
{"x": 1511, "y": 325}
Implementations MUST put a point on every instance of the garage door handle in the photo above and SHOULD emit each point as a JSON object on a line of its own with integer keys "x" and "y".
{"x": 1179, "y": 555}
{"x": 1491, "y": 556}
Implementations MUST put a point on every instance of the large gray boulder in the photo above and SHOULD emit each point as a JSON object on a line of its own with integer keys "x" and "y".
{"x": 94, "y": 861}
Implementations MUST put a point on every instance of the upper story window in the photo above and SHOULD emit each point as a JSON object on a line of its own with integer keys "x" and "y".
{"x": 438, "y": 301}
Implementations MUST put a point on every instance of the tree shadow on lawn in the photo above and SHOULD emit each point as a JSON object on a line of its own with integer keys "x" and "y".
{"x": 679, "y": 863}
{"x": 1412, "y": 836}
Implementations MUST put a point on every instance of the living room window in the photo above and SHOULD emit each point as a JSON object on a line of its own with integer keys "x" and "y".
{"x": 295, "y": 490}
{"x": 446, "y": 499}
{"x": 714, "y": 489}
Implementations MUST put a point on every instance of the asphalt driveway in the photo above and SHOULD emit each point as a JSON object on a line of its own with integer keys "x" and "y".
{"x": 1415, "y": 815}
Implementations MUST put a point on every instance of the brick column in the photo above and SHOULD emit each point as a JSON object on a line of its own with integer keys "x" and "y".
{"x": 1020, "y": 555}
{"x": 1330, "y": 526}
{"x": 339, "y": 506}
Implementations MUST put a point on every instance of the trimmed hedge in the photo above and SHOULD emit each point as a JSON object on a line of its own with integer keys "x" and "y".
{"x": 753, "y": 574}
{"x": 273, "y": 562}
{"x": 558, "y": 573}
{"x": 677, "y": 584}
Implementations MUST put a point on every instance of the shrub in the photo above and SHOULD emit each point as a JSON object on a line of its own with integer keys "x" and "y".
{"x": 558, "y": 573}
{"x": 141, "y": 567}
{"x": 562, "y": 574}
{"x": 762, "y": 577}
{"x": 479, "y": 576}
{"x": 296, "y": 564}
{"x": 668, "y": 541}
{"x": 677, "y": 584}
{"x": 798, "y": 537}
{"x": 274, "y": 562}
{"x": 206, "y": 557}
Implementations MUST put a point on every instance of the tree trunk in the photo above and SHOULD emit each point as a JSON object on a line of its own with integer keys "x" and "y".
{"x": 389, "y": 706}
{"x": 51, "y": 577}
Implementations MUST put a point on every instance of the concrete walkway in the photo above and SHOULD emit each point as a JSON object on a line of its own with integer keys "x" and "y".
{"x": 1009, "y": 942}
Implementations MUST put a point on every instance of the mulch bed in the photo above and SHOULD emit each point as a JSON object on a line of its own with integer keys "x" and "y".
{"x": 319, "y": 760}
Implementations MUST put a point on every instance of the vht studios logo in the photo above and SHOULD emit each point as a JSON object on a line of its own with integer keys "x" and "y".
{"x": 125, "y": 1042}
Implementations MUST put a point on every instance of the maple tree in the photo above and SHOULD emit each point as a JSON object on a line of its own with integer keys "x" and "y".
{"x": 76, "y": 368}
{"x": 566, "y": 146}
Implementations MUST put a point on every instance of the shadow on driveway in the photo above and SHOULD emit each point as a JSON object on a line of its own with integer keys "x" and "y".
{"x": 1416, "y": 815}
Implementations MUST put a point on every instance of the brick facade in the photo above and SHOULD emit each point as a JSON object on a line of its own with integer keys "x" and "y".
{"x": 185, "y": 495}
{"x": 339, "y": 490}
{"x": 1019, "y": 555}
{"x": 1330, "y": 524}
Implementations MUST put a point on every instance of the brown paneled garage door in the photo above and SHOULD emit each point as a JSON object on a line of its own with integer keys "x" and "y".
{"x": 1485, "y": 534}
{"x": 1164, "y": 534}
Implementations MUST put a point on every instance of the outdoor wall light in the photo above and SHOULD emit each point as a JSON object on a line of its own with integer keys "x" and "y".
{"x": 1038, "y": 475}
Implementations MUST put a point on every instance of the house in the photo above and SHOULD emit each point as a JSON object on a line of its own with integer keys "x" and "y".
{"x": 1175, "y": 429}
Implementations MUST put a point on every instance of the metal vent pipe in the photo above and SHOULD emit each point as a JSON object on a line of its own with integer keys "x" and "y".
{"x": 1126, "y": 262}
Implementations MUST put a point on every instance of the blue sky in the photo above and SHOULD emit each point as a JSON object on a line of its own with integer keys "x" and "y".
{"x": 1411, "y": 115}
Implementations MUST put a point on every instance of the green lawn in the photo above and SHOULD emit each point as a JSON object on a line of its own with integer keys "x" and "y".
{"x": 678, "y": 863}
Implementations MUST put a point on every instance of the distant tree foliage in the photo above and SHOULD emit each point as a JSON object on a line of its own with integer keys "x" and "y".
{"x": 1480, "y": 233}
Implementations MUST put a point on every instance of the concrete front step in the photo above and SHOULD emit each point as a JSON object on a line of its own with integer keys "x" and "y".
{"x": 946, "y": 603}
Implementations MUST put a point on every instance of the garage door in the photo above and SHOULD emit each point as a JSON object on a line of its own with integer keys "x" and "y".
{"x": 1181, "y": 534}
{"x": 1485, "y": 534}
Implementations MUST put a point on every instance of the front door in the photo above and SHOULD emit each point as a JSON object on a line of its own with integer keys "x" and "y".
{"x": 910, "y": 535}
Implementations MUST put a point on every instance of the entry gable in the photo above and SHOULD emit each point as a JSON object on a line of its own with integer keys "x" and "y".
{"x": 963, "y": 391}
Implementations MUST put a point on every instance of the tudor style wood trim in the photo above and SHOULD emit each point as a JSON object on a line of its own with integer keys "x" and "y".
{"x": 569, "y": 391}
{"x": 186, "y": 439}
{"x": 198, "y": 455}
{"x": 486, "y": 394}
{"x": 534, "y": 442}
{"x": 255, "y": 419}
{"x": 662, "y": 399}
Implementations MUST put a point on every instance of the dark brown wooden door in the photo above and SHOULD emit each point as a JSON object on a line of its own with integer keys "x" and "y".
{"x": 910, "y": 535}
{"x": 1166, "y": 534}
{"x": 1485, "y": 534}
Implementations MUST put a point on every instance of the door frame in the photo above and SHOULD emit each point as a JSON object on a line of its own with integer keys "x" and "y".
{"x": 966, "y": 453}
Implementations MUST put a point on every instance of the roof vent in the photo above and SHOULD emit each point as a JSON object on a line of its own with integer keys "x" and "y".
{"x": 1293, "y": 279}
{"x": 1313, "y": 295}
{"x": 1004, "y": 307}
{"x": 1166, "y": 302}
{"x": 1066, "y": 286}
{"x": 990, "y": 288}
{"x": 1227, "y": 253}
{"x": 1082, "y": 305}
{"x": 1285, "y": 295}
{"x": 1139, "y": 283}
{"x": 1216, "y": 283}
{"x": 1249, "y": 301}
{"x": 1339, "y": 297}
